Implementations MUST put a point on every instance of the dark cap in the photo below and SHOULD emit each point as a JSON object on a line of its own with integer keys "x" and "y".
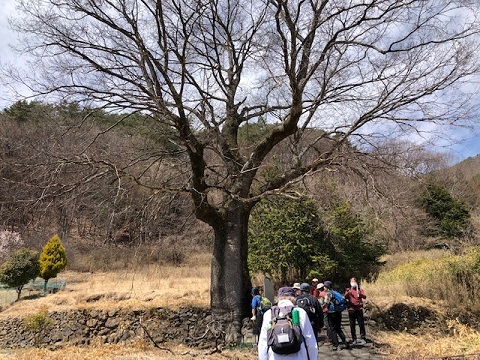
{"x": 305, "y": 287}
{"x": 328, "y": 284}
{"x": 286, "y": 291}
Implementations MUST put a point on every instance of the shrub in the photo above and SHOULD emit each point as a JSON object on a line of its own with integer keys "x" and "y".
{"x": 20, "y": 268}
{"x": 289, "y": 241}
{"x": 53, "y": 259}
{"x": 38, "y": 322}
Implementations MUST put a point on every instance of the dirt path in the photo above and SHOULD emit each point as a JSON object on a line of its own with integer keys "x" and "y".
{"x": 357, "y": 351}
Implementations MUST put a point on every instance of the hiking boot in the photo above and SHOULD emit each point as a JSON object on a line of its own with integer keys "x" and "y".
{"x": 362, "y": 342}
{"x": 346, "y": 347}
{"x": 335, "y": 348}
{"x": 327, "y": 343}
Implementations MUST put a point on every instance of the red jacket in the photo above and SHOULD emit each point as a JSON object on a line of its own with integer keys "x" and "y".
{"x": 321, "y": 299}
{"x": 355, "y": 298}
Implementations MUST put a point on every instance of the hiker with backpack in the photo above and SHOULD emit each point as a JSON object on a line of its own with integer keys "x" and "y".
{"x": 321, "y": 299}
{"x": 286, "y": 332}
{"x": 354, "y": 297}
{"x": 310, "y": 304}
{"x": 257, "y": 313}
{"x": 335, "y": 302}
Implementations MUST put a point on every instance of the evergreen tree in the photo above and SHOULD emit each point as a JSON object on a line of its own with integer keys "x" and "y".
{"x": 357, "y": 252}
{"x": 285, "y": 240}
{"x": 451, "y": 216}
{"x": 53, "y": 259}
{"x": 290, "y": 241}
{"x": 19, "y": 269}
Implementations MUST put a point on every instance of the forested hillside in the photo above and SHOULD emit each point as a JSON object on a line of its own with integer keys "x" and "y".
{"x": 100, "y": 180}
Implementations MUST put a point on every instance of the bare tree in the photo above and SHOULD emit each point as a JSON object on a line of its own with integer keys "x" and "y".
{"x": 357, "y": 69}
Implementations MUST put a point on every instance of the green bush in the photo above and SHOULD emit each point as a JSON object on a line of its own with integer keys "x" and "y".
{"x": 38, "y": 322}
{"x": 356, "y": 250}
{"x": 53, "y": 259}
{"x": 19, "y": 269}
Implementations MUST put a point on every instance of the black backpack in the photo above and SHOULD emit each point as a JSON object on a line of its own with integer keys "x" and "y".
{"x": 282, "y": 335}
{"x": 306, "y": 304}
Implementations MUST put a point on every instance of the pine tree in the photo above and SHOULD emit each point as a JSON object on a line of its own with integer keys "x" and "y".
{"x": 53, "y": 259}
{"x": 19, "y": 269}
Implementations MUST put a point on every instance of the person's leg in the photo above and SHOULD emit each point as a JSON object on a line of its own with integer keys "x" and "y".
{"x": 259, "y": 322}
{"x": 327, "y": 327}
{"x": 352, "y": 316}
{"x": 361, "y": 324}
{"x": 331, "y": 326}
{"x": 338, "y": 327}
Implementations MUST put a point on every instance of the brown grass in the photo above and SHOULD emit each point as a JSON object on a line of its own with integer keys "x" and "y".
{"x": 149, "y": 286}
{"x": 407, "y": 270}
{"x": 140, "y": 351}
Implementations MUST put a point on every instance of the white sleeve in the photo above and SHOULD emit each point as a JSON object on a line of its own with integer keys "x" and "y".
{"x": 262, "y": 338}
{"x": 309, "y": 335}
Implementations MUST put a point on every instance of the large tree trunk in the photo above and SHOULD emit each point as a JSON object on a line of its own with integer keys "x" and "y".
{"x": 230, "y": 283}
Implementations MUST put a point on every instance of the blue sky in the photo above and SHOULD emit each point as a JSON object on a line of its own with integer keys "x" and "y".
{"x": 464, "y": 143}
{"x": 470, "y": 147}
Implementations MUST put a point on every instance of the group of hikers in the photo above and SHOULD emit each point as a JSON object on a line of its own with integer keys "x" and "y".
{"x": 294, "y": 324}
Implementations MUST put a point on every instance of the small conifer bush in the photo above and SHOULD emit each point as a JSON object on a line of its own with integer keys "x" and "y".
{"x": 53, "y": 259}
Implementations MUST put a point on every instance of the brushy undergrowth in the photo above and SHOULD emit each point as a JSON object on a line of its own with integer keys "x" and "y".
{"x": 446, "y": 276}
{"x": 441, "y": 280}
{"x": 38, "y": 322}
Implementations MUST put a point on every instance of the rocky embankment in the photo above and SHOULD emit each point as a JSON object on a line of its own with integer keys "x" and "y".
{"x": 192, "y": 326}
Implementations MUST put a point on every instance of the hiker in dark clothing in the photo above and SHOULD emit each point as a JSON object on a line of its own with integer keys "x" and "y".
{"x": 334, "y": 319}
{"x": 354, "y": 296}
{"x": 311, "y": 305}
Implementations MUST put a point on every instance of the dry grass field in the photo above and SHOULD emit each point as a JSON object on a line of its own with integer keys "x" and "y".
{"x": 149, "y": 286}
{"x": 189, "y": 284}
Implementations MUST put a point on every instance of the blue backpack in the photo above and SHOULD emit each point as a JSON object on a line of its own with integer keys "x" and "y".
{"x": 338, "y": 302}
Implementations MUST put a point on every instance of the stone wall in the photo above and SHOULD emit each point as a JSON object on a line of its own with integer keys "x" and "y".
{"x": 191, "y": 326}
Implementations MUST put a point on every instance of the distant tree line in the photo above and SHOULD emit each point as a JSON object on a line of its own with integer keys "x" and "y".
{"x": 56, "y": 178}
